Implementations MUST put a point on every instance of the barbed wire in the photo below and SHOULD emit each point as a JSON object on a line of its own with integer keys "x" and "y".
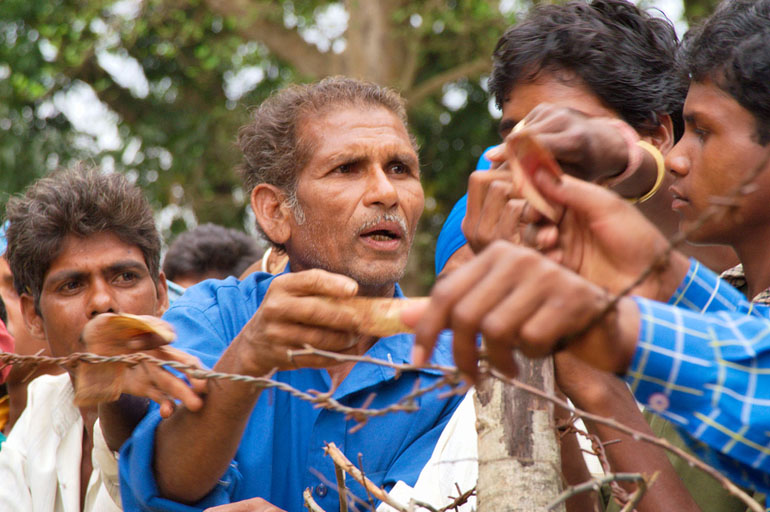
{"x": 451, "y": 376}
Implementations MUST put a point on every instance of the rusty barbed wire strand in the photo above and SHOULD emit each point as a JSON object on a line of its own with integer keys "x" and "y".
{"x": 452, "y": 378}
{"x": 320, "y": 399}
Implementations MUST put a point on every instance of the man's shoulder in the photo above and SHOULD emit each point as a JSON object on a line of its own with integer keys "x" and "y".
{"x": 217, "y": 293}
{"x": 54, "y": 386}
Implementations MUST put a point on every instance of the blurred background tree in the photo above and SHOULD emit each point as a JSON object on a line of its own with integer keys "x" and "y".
{"x": 158, "y": 88}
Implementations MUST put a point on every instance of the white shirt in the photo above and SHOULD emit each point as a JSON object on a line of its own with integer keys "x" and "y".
{"x": 40, "y": 461}
{"x": 454, "y": 461}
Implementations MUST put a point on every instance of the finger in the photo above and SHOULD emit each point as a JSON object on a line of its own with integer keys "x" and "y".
{"x": 470, "y": 310}
{"x": 587, "y": 199}
{"x": 561, "y": 316}
{"x": 496, "y": 153}
{"x": 492, "y": 210}
{"x": 174, "y": 354}
{"x": 284, "y": 337}
{"x": 312, "y": 311}
{"x": 478, "y": 184}
{"x": 147, "y": 341}
{"x": 443, "y": 298}
{"x": 546, "y": 238}
{"x": 501, "y": 325}
{"x": 167, "y": 408}
{"x": 316, "y": 282}
{"x": 412, "y": 315}
{"x": 170, "y": 386}
{"x": 501, "y": 357}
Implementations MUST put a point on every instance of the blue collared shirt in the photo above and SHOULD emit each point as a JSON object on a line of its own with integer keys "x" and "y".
{"x": 703, "y": 362}
{"x": 281, "y": 451}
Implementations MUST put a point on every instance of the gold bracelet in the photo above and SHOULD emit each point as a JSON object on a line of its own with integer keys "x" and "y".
{"x": 655, "y": 152}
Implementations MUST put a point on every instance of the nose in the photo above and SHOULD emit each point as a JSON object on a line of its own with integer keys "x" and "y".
{"x": 380, "y": 189}
{"x": 100, "y": 298}
{"x": 677, "y": 161}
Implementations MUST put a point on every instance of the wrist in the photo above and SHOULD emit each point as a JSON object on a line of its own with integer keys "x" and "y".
{"x": 610, "y": 345}
{"x": 628, "y": 156}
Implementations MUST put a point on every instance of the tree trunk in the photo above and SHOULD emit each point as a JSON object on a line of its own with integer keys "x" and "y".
{"x": 519, "y": 461}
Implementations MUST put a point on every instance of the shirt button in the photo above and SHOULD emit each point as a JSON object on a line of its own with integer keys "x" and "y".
{"x": 658, "y": 402}
{"x": 321, "y": 490}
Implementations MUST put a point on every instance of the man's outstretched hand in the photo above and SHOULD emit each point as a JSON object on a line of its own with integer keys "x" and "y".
{"x": 520, "y": 300}
{"x": 112, "y": 334}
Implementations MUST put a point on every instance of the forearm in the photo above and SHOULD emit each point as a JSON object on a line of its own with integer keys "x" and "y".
{"x": 627, "y": 455}
{"x": 212, "y": 434}
{"x": 118, "y": 419}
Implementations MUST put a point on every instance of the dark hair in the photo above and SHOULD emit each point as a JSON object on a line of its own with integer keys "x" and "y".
{"x": 624, "y": 55}
{"x": 210, "y": 249}
{"x": 732, "y": 48}
{"x": 274, "y": 151}
{"x": 3, "y": 312}
{"x": 81, "y": 202}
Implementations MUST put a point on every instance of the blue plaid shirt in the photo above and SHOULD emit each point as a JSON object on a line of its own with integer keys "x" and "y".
{"x": 709, "y": 374}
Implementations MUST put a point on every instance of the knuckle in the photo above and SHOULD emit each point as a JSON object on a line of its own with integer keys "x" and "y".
{"x": 495, "y": 329}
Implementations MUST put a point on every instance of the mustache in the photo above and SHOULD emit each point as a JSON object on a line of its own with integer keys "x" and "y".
{"x": 385, "y": 217}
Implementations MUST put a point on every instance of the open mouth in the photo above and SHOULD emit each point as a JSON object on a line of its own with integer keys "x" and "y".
{"x": 382, "y": 235}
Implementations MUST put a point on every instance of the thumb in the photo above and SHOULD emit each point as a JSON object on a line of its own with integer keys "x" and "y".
{"x": 411, "y": 315}
{"x": 582, "y": 197}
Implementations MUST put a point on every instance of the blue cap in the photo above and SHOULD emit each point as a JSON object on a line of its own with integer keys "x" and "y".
{"x": 3, "y": 240}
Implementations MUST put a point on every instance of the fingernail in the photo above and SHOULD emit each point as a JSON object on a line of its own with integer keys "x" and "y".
{"x": 418, "y": 355}
{"x": 495, "y": 153}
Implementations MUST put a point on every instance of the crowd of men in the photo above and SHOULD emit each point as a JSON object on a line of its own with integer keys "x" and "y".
{"x": 657, "y": 139}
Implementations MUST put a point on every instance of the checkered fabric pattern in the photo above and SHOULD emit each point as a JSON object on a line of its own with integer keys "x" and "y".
{"x": 703, "y": 363}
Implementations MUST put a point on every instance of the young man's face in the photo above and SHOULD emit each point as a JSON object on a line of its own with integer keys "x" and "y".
{"x": 361, "y": 197}
{"x": 717, "y": 152}
{"x": 550, "y": 88}
{"x": 92, "y": 275}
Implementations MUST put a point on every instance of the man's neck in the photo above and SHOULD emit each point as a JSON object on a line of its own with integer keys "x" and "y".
{"x": 752, "y": 251}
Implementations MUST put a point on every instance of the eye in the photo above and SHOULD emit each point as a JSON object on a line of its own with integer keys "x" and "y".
{"x": 344, "y": 168}
{"x": 701, "y": 134}
{"x": 69, "y": 287}
{"x": 399, "y": 168}
{"x": 126, "y": 277}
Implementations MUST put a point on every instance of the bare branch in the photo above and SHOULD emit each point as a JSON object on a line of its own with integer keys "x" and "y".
{"x": 595, "y": 484}
{"x": 342, "y": 462}
{"x": 433, "y": 84}
{"x": 310, "y": 503}
{"x": 251, "y": 22}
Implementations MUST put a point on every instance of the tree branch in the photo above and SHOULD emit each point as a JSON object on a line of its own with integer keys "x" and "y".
{"x": 433, "y": 84}
{"x": 252, "y": 23}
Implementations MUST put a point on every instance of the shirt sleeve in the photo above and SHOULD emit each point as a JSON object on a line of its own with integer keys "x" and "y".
{"x": 138, "y": 486}
{"x": 15, "y": 494}
{"x": 703, "y": 291}
{"x": 708, "y": 374}
{"x": 198, "y": 333}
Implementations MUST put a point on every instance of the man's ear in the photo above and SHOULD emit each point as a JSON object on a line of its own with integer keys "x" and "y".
{"x": 32, "y": 319}
{"x": 272, "y": 213}
{"x": 662, "y": 137}
{"x": 162, "y": 291}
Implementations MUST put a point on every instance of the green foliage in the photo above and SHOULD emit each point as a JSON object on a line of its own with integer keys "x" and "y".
{"x": 177, "y": 133}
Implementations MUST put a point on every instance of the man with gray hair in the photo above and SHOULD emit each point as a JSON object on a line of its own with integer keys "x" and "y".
{"x": 334, "y": 181}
